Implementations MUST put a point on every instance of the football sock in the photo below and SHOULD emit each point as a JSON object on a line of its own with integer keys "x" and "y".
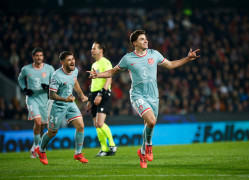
{"x": 102, "y": 140}
{"x": 79, "y": 139}
{"x": 144, "y": 140}
{"x": 149, "y": 134}
{"x": 44, "y": 142}
{"x": 37, "y": 139}
{"x": 106, "y": 130}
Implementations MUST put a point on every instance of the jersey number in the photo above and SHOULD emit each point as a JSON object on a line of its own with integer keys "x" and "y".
{"x": 144, "y": 72}
{"x": 53, "y": 119}
{"x": 37, "y": 82}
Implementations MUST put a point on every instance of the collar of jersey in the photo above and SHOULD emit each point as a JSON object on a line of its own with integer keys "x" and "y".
{"x": 37, "y": 68}
{"x": 65, "y": 71}
{"x": 140, "y": 55}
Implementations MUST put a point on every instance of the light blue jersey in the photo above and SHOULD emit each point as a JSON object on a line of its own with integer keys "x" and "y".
{"x": 143, "y": 72}
{"x": 62, "y": 83}
{"x": 32, "y": 78}
{"x": 35, "y": 77}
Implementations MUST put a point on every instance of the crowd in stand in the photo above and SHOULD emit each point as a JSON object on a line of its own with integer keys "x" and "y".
{"x": 217, "y": 82}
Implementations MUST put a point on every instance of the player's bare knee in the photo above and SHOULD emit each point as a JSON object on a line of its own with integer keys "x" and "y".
{"x": 80, "y": 128}
{"x": 151, "y": 123}
{"x": 52, "y": 132}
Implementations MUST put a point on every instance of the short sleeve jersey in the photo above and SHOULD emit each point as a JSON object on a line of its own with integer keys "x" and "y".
{"x": 143, "y": 73}
{"x": 35, "y": 77}
{"x": 101, "y": 65}
{"x": 63, "y": 83}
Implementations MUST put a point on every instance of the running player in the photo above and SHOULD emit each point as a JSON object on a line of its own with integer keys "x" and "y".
{"x": 142, "y": 65}
{"x": 34, "y": 81}
{"x": 100, "y": 100}
{"x": 61, "y": 105}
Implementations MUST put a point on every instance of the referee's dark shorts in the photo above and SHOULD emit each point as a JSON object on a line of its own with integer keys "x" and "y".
{"x": 105, "y": 104}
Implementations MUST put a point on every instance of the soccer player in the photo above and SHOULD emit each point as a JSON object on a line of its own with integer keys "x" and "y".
{"x": 142, "y": 65}
{"x": 100, "y": 99}
{"x": 61, "y": 105}
{"x": 34, "y": 81}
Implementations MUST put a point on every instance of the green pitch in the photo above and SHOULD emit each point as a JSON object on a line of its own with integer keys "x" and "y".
{"x": 196, "y": 161}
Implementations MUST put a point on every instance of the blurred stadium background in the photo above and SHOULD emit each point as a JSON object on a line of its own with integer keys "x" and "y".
{"x": 203, "y": 101}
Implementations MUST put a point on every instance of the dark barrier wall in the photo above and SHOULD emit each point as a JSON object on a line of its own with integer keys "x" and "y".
{"x": 164, "y": 134}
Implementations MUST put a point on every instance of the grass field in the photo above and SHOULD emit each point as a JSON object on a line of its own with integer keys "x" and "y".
{"x": 196, "y": 161}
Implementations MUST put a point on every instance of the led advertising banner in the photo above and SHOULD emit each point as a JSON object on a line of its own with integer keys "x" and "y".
{"x": 129, "y": 135}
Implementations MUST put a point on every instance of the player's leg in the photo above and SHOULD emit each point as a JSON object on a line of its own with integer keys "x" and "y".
{"x": 145, "y": 110}
{"x": 44, "y": 143}
{"x": 37, "y": 137}
{"x": 150, "y": 120}
{"x": 55, "y": 117}
{"x": 35, "y": 115}
{"x": 100, "y": 123}
{"x": 74, "y": 115}
{"x": 79, "y": 139}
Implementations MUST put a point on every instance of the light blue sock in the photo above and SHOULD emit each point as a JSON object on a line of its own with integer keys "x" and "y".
{"x": 44, "y": 142}
{"x": 149, "y": 134}
{"x": 79, "y": 139}
{"x": 144, "y": 140}
{"x": 37, "y": 139}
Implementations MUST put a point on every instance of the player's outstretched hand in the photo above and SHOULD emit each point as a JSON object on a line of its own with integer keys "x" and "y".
{"x": 93, "y": 74}
{"x": 70, "y": 98}
{"x": 192, "y": 54}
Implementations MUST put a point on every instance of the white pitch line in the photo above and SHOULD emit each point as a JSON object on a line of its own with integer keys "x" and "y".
{"x": 123, "y": 175}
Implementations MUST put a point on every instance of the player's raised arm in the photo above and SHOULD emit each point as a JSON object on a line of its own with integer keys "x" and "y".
{"x": 177, "y": 63}
{"x": 105, "y": 74}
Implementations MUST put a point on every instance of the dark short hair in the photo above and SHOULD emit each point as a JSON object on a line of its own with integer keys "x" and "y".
{"x": 64, "y": 54}
{"x": 101, "y": 45}
{"x": 37, "y": 49}
{"x": 135, "y": 34}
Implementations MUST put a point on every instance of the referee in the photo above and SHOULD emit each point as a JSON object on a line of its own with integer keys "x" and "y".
{"x": 100, "y": 99}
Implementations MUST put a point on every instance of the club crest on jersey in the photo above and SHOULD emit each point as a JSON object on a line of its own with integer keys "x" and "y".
{"x": 75, "y": 78}
{"x": 44, "y": 74}
{"x": 151, "y": 61}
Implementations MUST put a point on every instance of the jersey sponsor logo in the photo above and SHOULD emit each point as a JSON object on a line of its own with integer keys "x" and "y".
{"x": 133, "y": 63}
{"x": 141, "y": 107}
{"x": 44, "y": 74}
{"x": 151, "y": 61}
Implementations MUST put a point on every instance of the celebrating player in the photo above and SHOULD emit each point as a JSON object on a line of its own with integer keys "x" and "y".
{"x": 142, "y": 65}
{"x": 34, "y": 81}
{"x": 61, "y": 105}
{"x": 100, "y": 100}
